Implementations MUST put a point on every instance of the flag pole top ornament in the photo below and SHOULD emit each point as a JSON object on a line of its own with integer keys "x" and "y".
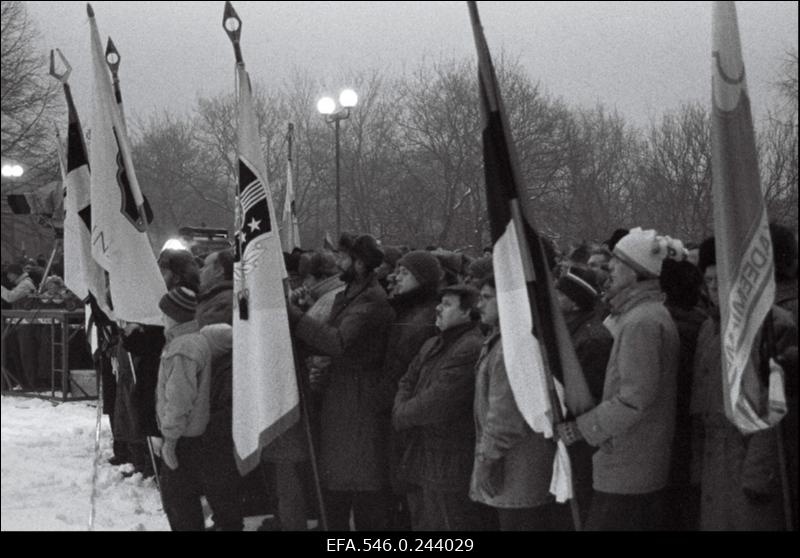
{"x": 63, "y": 77}
{"x": 729, "y": 81}
{"x": 89, "y": 10}
{"x": 232, "y": 24}
{"x": 112, "y": 57}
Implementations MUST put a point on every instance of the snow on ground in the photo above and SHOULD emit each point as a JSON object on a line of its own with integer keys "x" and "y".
{"x": 47, "y": 459}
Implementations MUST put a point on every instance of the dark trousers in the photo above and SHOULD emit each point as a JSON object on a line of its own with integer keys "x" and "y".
{"x": 369, "y": 510}
{"x": 438, "y": 510}
{"x": 547, "y": 517}
{"x": 199, "y": 473}
{"x": 626, "y": 512}
{"x": 34, "y": 354}
{"x": 291, "y": 491}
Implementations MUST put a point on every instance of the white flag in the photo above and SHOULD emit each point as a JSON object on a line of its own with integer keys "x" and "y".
{"x": 265, "y": 393}
{"x": 119, "y": 230}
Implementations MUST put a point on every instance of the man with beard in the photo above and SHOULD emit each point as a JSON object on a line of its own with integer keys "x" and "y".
{"x": 353, "y": 467}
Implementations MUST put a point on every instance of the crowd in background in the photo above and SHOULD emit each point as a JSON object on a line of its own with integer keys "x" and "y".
{"x": 410, "y": 408}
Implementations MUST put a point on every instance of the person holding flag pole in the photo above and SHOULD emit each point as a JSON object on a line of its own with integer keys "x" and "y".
{"x": 739, "y": 381}
{"x": 537, "y": 351}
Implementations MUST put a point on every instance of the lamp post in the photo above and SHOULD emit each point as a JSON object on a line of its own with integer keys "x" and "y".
{"x": 334, "y": 115}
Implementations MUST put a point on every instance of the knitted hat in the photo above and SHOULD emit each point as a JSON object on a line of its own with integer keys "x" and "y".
{"x": 580, "y": 286}
{"x": 391, "y": 254}
{"x": 644, "y": 251}
{"x": 363, "y": 247}
{"x": 480, "y": 268}
{"x": 179, "y": 304}
{"x": 424, "y": 266}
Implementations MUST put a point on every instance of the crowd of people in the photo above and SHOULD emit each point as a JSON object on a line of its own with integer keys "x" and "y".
{"x": 409, "y": 406}
{"x": 28, "y": 346}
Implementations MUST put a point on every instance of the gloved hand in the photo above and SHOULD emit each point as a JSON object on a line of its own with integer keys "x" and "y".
{"x": 569, "y": 432}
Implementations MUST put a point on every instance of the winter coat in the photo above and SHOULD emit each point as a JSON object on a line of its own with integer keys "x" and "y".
{"x": 24, "y": 288}
{"x": 635, "y": 422}
{"x": 215, "y": 305}
{"x": 502, "y": 434}
{"x": 145, "y": 346}
{"x": 414, "y": 324}
{"x": 434, "y": 404}
{"x": 739, "y": 482}
{"x": 688, "y": 321}
{"x": 593, "y": 344}
{"x": 352, "y": 453}
{"x": 184, "y": 378}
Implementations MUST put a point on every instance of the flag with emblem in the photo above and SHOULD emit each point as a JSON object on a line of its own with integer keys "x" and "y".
{"x": 536, "y": 343}
{"x": 745, "y": 267}
{"x": 120, "y": 243}
{"x": 265, "y": 392}
{"x": 82, "y": 275}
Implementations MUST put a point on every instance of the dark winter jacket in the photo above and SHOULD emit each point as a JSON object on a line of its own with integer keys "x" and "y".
{"x": 434, "y": 403}
{"x": 739, "y": 478}
{"x": 145, "y": 346}
{"x": 414, "y": 324}
{"x": 215, "y": 306}
{"x": 352, "y": 453}
{"x": 688, "y": 321}
{"x": 593, "y": 344}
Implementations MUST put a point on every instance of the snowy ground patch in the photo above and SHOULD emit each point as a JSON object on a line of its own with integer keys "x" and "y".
{"x": 47, "y": 459}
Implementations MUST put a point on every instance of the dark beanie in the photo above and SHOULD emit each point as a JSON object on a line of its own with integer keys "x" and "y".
{"x": 424, "y": 266}
{"x": 364, "y": 247}
{"x": 179, "y": 304}
{"x": 480, "y": 268}
{"x": 391, "y": 254}
{"x": 580, "y": 286}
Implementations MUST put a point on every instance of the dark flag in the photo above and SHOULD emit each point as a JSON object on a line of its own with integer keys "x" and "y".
{"x": 536, "y": 343}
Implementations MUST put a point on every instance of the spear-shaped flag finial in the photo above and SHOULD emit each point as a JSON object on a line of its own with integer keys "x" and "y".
{"x": 63, "y": 76}
{"x": 232, "y": 24}
{"x": 112, "y": 57}
{"x": 89, "y": 10}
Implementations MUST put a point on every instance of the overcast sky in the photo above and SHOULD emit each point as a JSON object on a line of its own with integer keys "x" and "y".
{"x": 641, "y": 58}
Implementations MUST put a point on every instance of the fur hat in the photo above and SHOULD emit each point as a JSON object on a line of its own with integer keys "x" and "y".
{"x": 364, "y": 247}
{"x": 424, "y": 266}
{"x": 580, "y": 286}
{"x": 644, "y": 251}
{"x": 179, "y": 304}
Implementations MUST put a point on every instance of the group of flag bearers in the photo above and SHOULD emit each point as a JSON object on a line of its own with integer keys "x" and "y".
{"x": 529, "y": 399}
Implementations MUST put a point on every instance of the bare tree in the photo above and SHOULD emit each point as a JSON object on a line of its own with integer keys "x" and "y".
{"x": 27, "y": 97}
{"x": 675, "y": 173}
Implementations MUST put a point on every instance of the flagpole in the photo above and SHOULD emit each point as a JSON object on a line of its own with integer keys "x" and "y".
{"x": 769, "y": 352}
{"x": 530, "y": 275}
{"x": 536, "y": 274}
{"x": 113, "y": 60}
{"x": 233, "y": 26}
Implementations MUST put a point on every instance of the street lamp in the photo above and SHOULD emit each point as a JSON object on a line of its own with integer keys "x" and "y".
{"x": 333, "y": 115}
{"x": 12, "y": 170}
